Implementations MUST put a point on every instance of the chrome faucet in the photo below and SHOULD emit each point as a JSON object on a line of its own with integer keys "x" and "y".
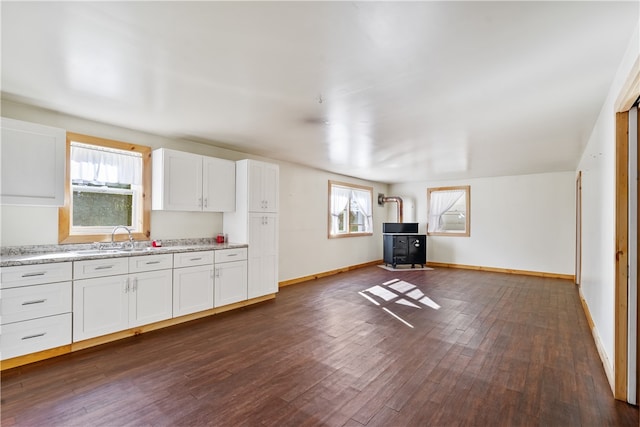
{"x": 128, "y": 231}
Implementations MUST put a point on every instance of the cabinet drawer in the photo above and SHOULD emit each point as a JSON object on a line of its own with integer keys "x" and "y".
{"x": 188, "y": 259}
{"x": 228, "y": 255}
{"x": 150, "y": 262}
{"x": 30, "y": 336}
{"x": 31, "y": 302}
{"x": 26, "y": 275}
{"x": 100, "y": 268}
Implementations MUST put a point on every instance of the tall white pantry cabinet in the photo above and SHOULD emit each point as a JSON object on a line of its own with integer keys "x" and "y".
{"x": 255, "y": 222}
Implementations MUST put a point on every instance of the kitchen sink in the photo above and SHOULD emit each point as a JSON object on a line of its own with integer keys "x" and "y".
{"x": 100, "y": 251}
{"x": 60, "y": 255}
{"x": 113, "y": 251}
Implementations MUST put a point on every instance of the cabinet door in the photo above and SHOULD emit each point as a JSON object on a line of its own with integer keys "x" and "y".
{"x": 230, "y": 282}
{"x": 269, "y": 247}
{"x": 255, "y": 191}
{"x": 192, "y": 289}
{"x": 32, "y": 166}
{"x": 100, "y": 306}
{"x": 177, "y": 181}
{"x": 262, "y": 255}
{"x": 270, "y": 183}
{"x": 218, "y": 185}
{"x": 151, "y": 297}
{"x": 263, "y": 184}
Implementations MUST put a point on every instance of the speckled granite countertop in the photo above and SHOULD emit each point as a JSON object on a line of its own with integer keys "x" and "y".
{"x": 44, "y": 254}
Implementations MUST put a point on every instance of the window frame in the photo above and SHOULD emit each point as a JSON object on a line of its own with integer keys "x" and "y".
{"x": 452, "y": 233}
{"x": 329, "y": 215}
{"x": 64, "y": 212}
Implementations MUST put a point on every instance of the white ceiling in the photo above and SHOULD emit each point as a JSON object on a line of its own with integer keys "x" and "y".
{"x": 390, "y": 92}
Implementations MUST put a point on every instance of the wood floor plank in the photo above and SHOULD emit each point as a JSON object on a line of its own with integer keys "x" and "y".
{"x": 502, "y": 350}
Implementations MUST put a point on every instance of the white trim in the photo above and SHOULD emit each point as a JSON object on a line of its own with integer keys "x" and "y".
{"x": 606, "y": 363}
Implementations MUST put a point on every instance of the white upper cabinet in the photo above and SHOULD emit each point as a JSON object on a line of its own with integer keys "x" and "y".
{"x": 218, "y": 184}
{"x": 262, "y": 186}
{"x": 176, "y": 181}
{"x": 32, "y": 164}
{"x": 190, "y": 182}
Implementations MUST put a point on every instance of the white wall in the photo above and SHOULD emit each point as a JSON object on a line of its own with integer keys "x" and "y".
{"x": 304, "y": 247}
{"x": 598, "y": 212}
{"x": 523, "y": 222}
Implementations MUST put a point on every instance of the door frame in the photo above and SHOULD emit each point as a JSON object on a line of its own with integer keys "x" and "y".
{"x": 578, "y": 266}
{"x": 628, "y": 95}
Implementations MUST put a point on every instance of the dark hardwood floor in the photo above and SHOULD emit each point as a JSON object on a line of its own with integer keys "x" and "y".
{"x": 502, "y": 350}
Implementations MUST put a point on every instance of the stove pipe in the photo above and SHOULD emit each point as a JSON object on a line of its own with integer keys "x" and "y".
{"x": 382, "y": 199}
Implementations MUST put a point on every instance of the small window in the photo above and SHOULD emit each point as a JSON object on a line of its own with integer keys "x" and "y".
{"x": 448, "y": 211}
{"x": 350, "y": 210}
{"x": 107, "y": 185}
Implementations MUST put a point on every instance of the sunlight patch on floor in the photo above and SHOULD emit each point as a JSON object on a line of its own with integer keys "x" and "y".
{"x": 396, "y": 291}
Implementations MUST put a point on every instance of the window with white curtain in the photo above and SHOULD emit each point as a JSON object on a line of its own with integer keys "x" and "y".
{"x": 107, "y": 181}
{"x": 448, "y": 211}
{"x": 107, "y": 188}
{"x": 350, "y": 210}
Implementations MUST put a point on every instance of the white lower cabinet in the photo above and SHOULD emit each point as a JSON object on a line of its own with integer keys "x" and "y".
{"x": 150, "y": 297}
{"x": 36, "y": 308}
{"x": 192, "y": 282}
{"x": 44, "y": 306}
{"x": 31, "y": 336}
{"x": 100, "y": 306}
{"x": 230, "y": 276}
{"x": 103, "y": 305}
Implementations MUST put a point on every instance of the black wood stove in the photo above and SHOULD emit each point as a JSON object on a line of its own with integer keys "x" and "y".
{"x": 403, "y": 245}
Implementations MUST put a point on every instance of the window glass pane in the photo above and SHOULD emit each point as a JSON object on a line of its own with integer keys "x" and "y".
{"x": 454, "y": 218}
{"x": 101, "y": 209}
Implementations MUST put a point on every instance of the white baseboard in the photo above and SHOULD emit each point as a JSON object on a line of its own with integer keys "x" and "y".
{"x": 606, "y": 363}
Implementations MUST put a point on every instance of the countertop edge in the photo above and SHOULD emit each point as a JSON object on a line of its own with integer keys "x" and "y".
{"x": 56, "y": 257}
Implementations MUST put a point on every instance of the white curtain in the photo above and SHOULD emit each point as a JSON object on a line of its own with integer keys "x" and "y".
{"x": 339, "y": 200}
{"x": 105, "y": 166}
{"x": 439, "y": 203}
{"x": 363, "y": 200}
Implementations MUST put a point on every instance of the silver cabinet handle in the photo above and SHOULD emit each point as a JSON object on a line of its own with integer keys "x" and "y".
{"x": 206, "y": 200}
{"x": 28, "y": 337}
{"x": 126, "y": 285}
{"x": 152, "y": 262}
{"x": 217, "y": 272}
{"x": 135, "y": 284}
{"x": 104, "y": 267}
{"x": 41, "y": 273}
{"x": 195, "y": 259}
{"x": 232, "y": 255}
{"x": 39, "y": 301}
